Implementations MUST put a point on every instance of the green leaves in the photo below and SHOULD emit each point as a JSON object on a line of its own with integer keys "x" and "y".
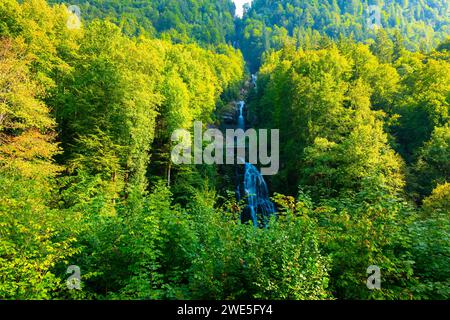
{"x": 311, "y": 25}
{"x": 334, "y": 106}
{"x": 107, "y": 198}
{"x": 236, "y": 261}
{"x": 362, "y": 230}
{"x": 333, "y": 139}
{"x": 433, "y": 162}
{"x": 205, "y": 21}
{"x": 431, "y": 231}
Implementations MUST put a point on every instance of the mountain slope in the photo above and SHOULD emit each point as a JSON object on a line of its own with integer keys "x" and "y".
{"x": 206, "y": 21}
{"x": 423, "y": 24}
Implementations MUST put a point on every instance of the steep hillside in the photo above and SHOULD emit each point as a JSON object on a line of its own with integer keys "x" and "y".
{"x": 206, "y": 21}
{"x": 268, "y": 23}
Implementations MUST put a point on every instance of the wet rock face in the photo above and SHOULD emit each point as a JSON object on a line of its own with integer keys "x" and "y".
{"x": 228, "y": 119}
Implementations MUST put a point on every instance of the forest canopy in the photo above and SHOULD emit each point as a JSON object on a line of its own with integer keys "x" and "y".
{"x": 86, "y": 177}
{"x": 268, "y": 24}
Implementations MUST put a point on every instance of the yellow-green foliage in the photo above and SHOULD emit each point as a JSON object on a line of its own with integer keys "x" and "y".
{"x": 86, "y": 117}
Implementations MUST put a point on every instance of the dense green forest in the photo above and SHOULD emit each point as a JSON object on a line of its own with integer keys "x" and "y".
{"x": 269, "y": 24}
{"x": 204, "y": 21}
{"x": 86, "y": 179}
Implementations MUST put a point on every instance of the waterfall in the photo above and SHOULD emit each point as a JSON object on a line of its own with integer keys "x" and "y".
{"x": 258, "y": 203}
{"x": 259, "y": 208}
{"x": 241, "y": 121}
{"x": 255, "y": 81}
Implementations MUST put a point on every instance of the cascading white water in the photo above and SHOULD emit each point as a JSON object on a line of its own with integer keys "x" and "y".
{"x": 241, "y": 121}
{"x": 257, "y": 195}
{"x": 255, "y": 81}
{"x": 259, "y": 206}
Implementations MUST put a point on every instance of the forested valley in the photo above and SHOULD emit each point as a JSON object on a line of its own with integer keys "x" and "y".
{"x": 86, "y": 177}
